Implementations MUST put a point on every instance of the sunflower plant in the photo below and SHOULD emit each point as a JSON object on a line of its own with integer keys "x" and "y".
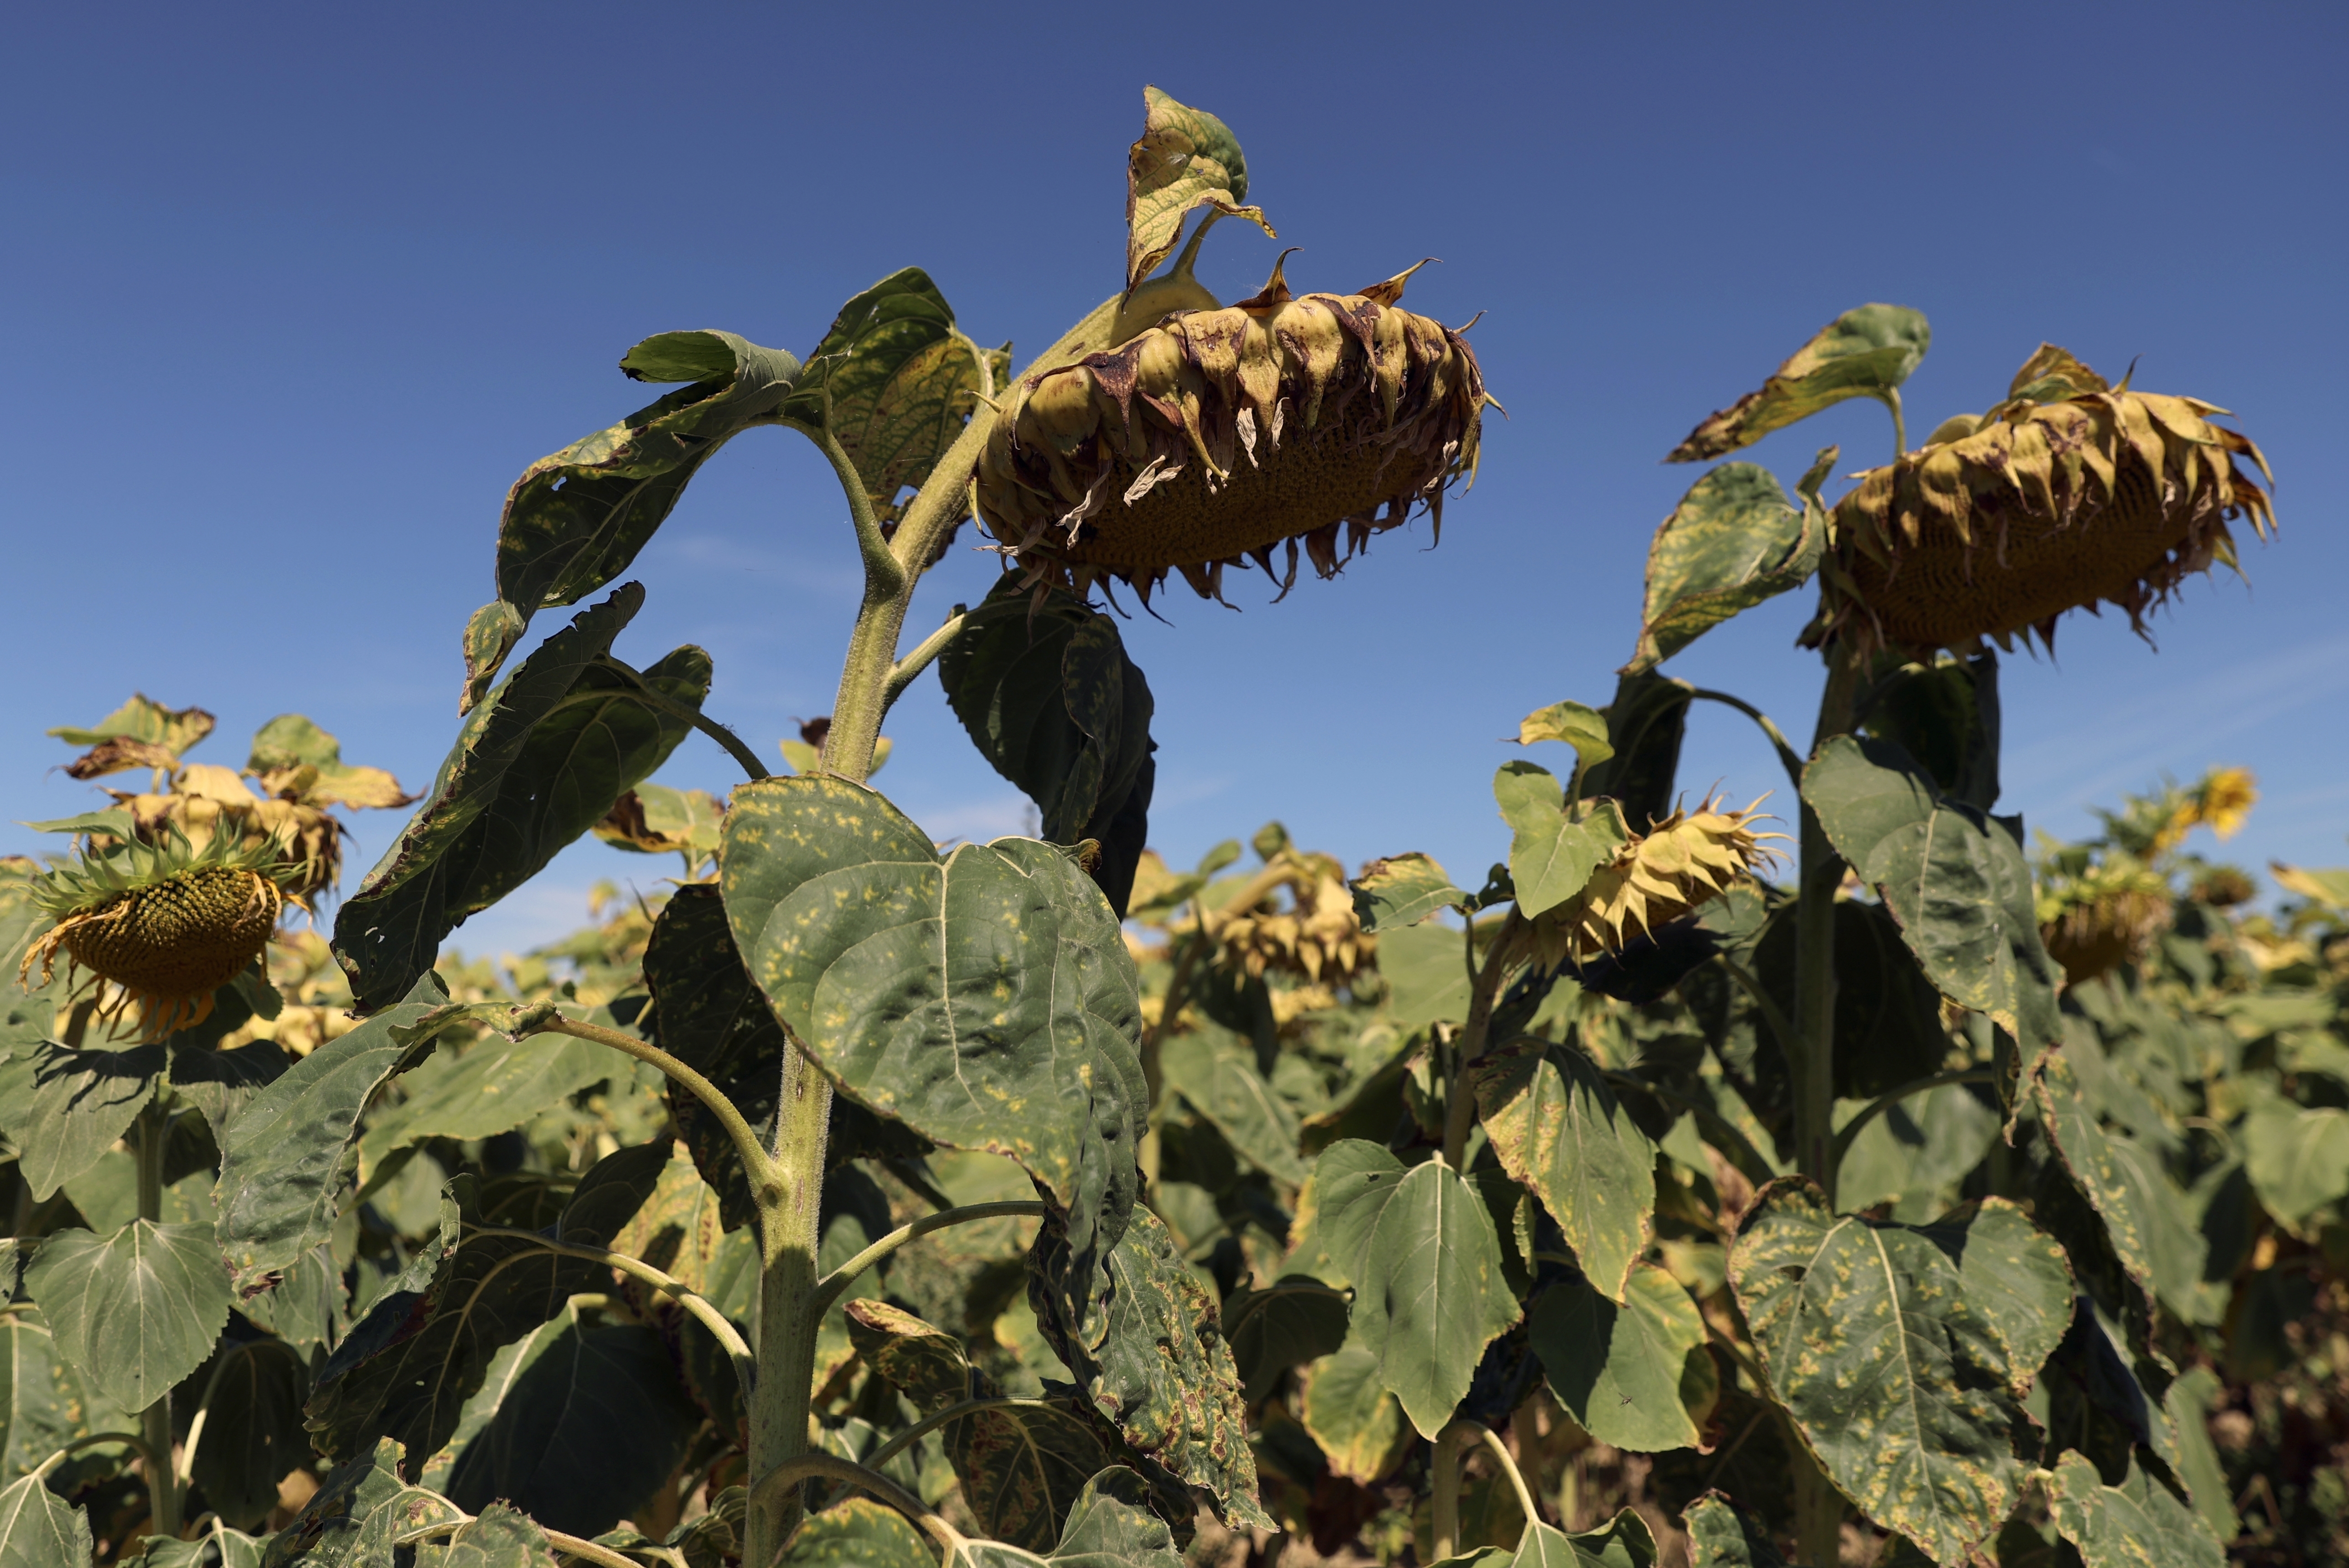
{"x": 1682, "y": 1185}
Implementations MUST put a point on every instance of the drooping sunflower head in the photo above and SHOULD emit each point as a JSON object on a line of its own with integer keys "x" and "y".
{"x": 1680, "y": 864}
{"x": 207, "y": 803}
{"x": 160, "y": 924}
{"x": 1317, "y": 936}
{"x": 1208, "y": 440}
{"x": 2070, "y": 494}
{"x": 2103, "y": 916}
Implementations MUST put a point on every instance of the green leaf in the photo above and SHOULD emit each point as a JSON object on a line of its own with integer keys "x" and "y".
{"x": 1721, "y": 1536}
{"x": 1558, "y": 1128}
{"x": 63, "y": 1109}
{"x": 858, "y": 1533}
{"x": 895, "y": 382}
{"x": 1146, "y": 1343}
{"x": 987, "y": 1002}
{"x": 1216, "y": 1071}
{"x": 1955, "y": 878}
{"x": 360, "y": 1511}
{"x": 108, "y": 1195}
{"x": 2188, "y": 1405}
{"x": 2136, "y": 1525}
{"x": 133, "y": 1313}
{"x": 1049, "y": 698}
{"x": 286, "y": 1160}
{"x": 533, "y": 768}
{"x": 1584, "y": 728}
{"x": 1733, "y": 541}
{"x": 40, "y": 1401}
{"x": 1112, "y": 1525}
{"x": 1645, "y": 724}
{"x": 1294, "y": 1320}
{"x": 1358, "y": 1424}
{"x": 2298, "y": 1158}
{"x": 1402, "y": 889}
{"x": 1429, "y": 1294}
{"x": 305, "y": 1306}
{"x": 1947, "y": 718}
{"x": 497, "y": 1084}
{"x": 290, "y": 742}
{"x": 1863, "y": 353}
{"x": 574, "y": 520}
{"x": 1623, "y": 1542}
{"x": 1916, "y": 1151}
{"x": 1621, "y": 1370}
{"x": 38, "y": 1529}
{"x": 144, "y": 718}
{"x": 1901, "y": 1352}
{"x": 217, "y": 1547}
{"x": 505, "y": 1371}
{"x": 253, "y": 1439}
{"x": 1187, "y": 159}
{"x": 501, "y": 1537}
{"x": 221, "y": 1084}
{"x": 1426, "y": 971}
{"x": 1553, "y": 850}
{"x": 2145, "y": 1213}
{"x": 550, "y": 1450}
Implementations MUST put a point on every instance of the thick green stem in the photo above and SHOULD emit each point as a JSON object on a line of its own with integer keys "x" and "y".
{"x": 789, "y": 1306}
{"x": 162, "y": 1485}
{"x": 1445, "y": 1506}
{"x": 1812, "y": 1066}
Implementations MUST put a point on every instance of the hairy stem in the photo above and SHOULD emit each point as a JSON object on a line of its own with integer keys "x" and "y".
{"x": 1813, "y": 1063}
{"x": 789, "y": 1311}
{"x": 1500, "y": 1451}
{"x": 1890, "y": 398}
{"x": 830, "y": 1288}
{"x": 155, "y": 1421}
{"x": 755, "y": 1160}
{"x": 782, "y": 1478}
{"x": 735, "y": 745}
{"x": 1892, "y": 1096}
{"x": 587, "y": 1550}
{"x": 925, "y": 654}
{"x": 1446, "y": 1505}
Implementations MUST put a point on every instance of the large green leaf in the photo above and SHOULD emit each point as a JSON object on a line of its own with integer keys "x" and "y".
{"x": 1186, "y": 159}
{"x": 2297, "y": 1157}
{"x": 1917, "y": 1151}
{"x": 361, "y": 1511}
{"x": 1429, "y": 1294}
{"x": 895, "y": 383}
{"x": 1358, "y": 1424}
{"x": 1402, "y": 889}
{"x": 1645, "y": 724}
{"x": 1146, "y": 1343}
{"x": 1052, "y": 701}
{"x": 135, "y": 1312}
{"x": 987, "y": 1001}
{"x": 575, "y": 520}
{"x": 221, "y": 1084}
{"x": 1552, "y": 850}
{"x": 1426, "y": 970}
{"x": 1558, "y": 1128}
{"x": 501, "y": 1537}
{"x": 38, "y": 1529}
{"x": 286, "y": 1160}
{"x": 63, "y": 1109}
{"x": 2145, "y": 1213}
{"x": 534, "y": 767}
{"x": 1955, "y": 879}
{"x": 1733, "y": 542}
{"x": 1901, "y": 1351}
{"x": 1947, "y": 718}
{"x": 549, "y": 1450}
{"x": 2137, "y": 1524}
{"x": 1721, "y": 1536}
{"x": 1216, "y": 1071}
{"x": 495, "y": 1084}
{"x": 252, "y": 1438}
{"x": 217, "y": 1547}
{"x": 1863, "y": 353}
{"x": 1111, "y": 1525}
{"x": 1623, "y": 1542}
{"x": 1294, "y": 1320}
{"x": 1625, "y": 1372}
{"x": 858, "y": 1533}
{"x": 707, "y": 1013}
{"x": 505, "y": 1370}
{"x": 40, "y": 1401}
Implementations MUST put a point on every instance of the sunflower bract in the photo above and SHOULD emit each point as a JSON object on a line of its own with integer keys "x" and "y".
{"x": 1681, "y": 863}
{"x": 2071, "y": 494}
{"x": 1214, "y": 437}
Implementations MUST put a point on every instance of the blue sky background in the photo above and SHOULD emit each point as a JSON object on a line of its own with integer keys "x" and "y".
{"x": 293, "y": 293}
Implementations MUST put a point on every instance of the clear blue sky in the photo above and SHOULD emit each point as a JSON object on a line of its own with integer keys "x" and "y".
{"x": 293, "y": 293}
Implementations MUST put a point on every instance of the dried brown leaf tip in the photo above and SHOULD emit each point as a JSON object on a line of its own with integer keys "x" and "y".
{"x": 1212, "y": 437}
{"x": 2070, "y": 494}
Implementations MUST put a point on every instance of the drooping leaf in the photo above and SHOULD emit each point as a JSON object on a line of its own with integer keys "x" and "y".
{"x": 1146, "y": 1343}
{"x": 574, "y": 520}
{"x": 1955, "y": 878}
{"x": 1733, "y": 541}
{"x": 288, "y": 1158}
{"x": 858, "y": 1533}
{"x": 1401, "y": 891}
{"x": 675, "y": 1226}
{"x": 1053, "y": 702}
{"x": 590, "y": 1430}
{"x": 1583, "y": 728}
{"x": 287, "y": 745}
{"x": 1721, "y": 1536}
{"x": 1623, "y": 1371}
{"x": 144, "y": 719}
{"x": 2137, "y": 1524}
{"x": 653, "y": 818}
{"x": 360, "y": 1511}
{"x": 1863, "y": 353}
{"x": 1289, "y": 1322}
{"x": 1552, "y": 850}
{"x": 133, "y": 1313}
{"x": 708, "y": 1014}
{"x": 63, "y": 1109}
{"x": 307, "y": 1304}
{"x": 253, "y": 1437}
{"x": 2095, "y": 1403}
{"x": 1216, "y": 1072}
{"x": 217, "y": 1547}
{"x": 38, "y": 1529}
{"x": 1357, "y": 1422}
{"x": 2145, "y": 1214}
{"x": 1947, "y": 718}
{"x": 987, "y": 1001}
{"x": 1186, "y": 159}
{"x": 894, "y": 382}
{"x": 496, "y": 1085}
{"x": 500, "y": 1537}
{"x": 41, "y": 1400}
{"x": 1558, "y": 1128}
{"x": 533, "y": 768}
{"x": 1645, "y": 724}
{"x": 1900, "y": 1351}
{"x": 505, "y": 1371}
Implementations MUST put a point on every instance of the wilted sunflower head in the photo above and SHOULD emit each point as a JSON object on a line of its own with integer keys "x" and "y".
{"x": 209, "y": 802}
{"x": 1681, "y": 863}
{"x": 2070, "y": 493}
{"x": 164, "y": 923}
{"x": 1209, "y": 438}
{"x": 1317, "y": 936}
{"x": 2103, "y": 916}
